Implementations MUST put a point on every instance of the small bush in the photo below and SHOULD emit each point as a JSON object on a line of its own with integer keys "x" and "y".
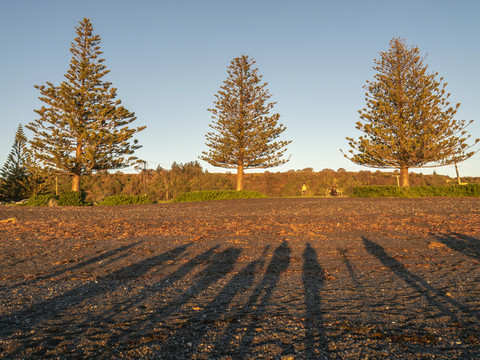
{"x": 470, "y": 190}
{"x": 209, "y": 195}
{"x": 71, "y": 198}
{"x": 125, "y": 200}
{"x": 379, "y": 191}
{"x": 40, "y": 200}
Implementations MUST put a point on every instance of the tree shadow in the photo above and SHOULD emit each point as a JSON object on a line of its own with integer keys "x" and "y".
{"x": 31, "y": 318}
{"x": 313, "y": 282}
{"x": 248, "y": 318}
{"x": 132, "y": 302}
{"x": 204, "y": 320}
{"x": 463, "y": 244}
{"x": 110, "y": 256}
{"x": 219, "y": 265}
{"x": 457, "y": 312}
{"x": 143, "y": 321}
{"x": 361, "y": 293}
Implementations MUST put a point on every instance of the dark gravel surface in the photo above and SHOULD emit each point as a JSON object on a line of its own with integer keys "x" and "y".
{"x": 322, "y": 278}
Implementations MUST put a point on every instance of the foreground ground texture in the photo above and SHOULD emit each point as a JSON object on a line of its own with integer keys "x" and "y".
{"x": 332, "y": 278}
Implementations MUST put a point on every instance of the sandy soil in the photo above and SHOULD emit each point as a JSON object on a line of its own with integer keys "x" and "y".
{"x": 332, "y": 278}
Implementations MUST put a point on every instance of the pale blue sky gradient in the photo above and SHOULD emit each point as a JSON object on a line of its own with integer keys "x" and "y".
{"x": 169, "y": 58}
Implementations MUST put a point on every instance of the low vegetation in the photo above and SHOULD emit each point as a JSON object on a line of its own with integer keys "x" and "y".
{"x": 167, "y": 184}
{"x": 218, "y": 195}
{"x": 471, "y": 190}
{"x": 68, "y": 198}
{"x": 71, "y": 198}
{"x": 41, "y": 200}
{"x": 126, "y": 200}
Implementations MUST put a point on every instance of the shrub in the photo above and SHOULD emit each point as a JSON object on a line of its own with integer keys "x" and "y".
{"x": 209, "y": 195}
{"x": 71, "y": 198}
{"x": 40, "y": 200}
{"x": 471, "y": 190}
{"x": 125, "y": 200}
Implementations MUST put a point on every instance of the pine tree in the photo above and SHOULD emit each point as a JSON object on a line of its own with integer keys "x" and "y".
{"x": 244, "y": 132}
{"x": 14, "y": 171}
{"x": 408, "y": 121}
{"x": 38, "y": 179}
{"x": 83, "y": 128}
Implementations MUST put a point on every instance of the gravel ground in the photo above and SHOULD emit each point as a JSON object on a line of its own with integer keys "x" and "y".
{"x": 313, "y": 278}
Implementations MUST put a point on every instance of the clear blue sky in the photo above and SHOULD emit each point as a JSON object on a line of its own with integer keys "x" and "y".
{"x": 169, "y": 58}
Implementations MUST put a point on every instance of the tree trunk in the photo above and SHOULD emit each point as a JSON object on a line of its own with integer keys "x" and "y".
{"x": 76, "y": 177}
{"x": 458, "y": 175}
{"x": 404, "y": 181}
{"x": 76, "y": 182}
{"x": 240, "y": 177}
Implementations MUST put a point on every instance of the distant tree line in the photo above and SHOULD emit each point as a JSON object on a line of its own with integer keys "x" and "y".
{"x": 166, "y": 184}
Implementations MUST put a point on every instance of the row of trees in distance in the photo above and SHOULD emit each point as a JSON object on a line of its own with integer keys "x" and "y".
{"x": 164, "y": 184}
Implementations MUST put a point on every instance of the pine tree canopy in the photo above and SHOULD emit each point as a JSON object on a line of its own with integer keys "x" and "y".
{"x": 408, "y": 121}
{"x": 245, "y": 134}
{"x": 14, "y": 171}
{"x": 83, "y": 127}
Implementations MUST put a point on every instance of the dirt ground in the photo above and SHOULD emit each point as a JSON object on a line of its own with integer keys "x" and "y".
{"x": 313, "y": 278}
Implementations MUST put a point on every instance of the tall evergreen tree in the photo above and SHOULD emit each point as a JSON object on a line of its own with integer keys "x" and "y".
{"x": 244, "y": 133}
{"x": 38, "y": 178}
{"x": 408, "y": 121}
{"x": 14, "y": 171}
{"x": 83, "y": 128}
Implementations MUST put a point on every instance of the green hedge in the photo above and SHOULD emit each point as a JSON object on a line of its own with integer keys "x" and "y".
{"x": 125, "y": 200}
{"x": 41, "y": 200}
{"x": 209, "y": 195}
{"x": 71, "y": 198}
{"x": 470, "y": 190}
{"x": 68, "y": 198}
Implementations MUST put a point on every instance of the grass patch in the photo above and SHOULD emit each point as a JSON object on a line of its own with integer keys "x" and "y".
{"x": 209, "y": 195}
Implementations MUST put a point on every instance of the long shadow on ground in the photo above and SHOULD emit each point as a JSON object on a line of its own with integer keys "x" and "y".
{"x": 220, "y": 265}
{"x": 210, "y": 305}
{"x": 33, "y": 318}
{"x": 467, "y": 245}
{"x": 205, "y": 320}
{"x": 436, "y": 299}
{"x": 313, "y": 281}
{"x": 104, "y": 259}
{"x": 237, "y": 339}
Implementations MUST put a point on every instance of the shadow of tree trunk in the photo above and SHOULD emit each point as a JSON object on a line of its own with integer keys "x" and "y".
{"x": 438, "y": 299}
{"x": 313, "y": 282}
